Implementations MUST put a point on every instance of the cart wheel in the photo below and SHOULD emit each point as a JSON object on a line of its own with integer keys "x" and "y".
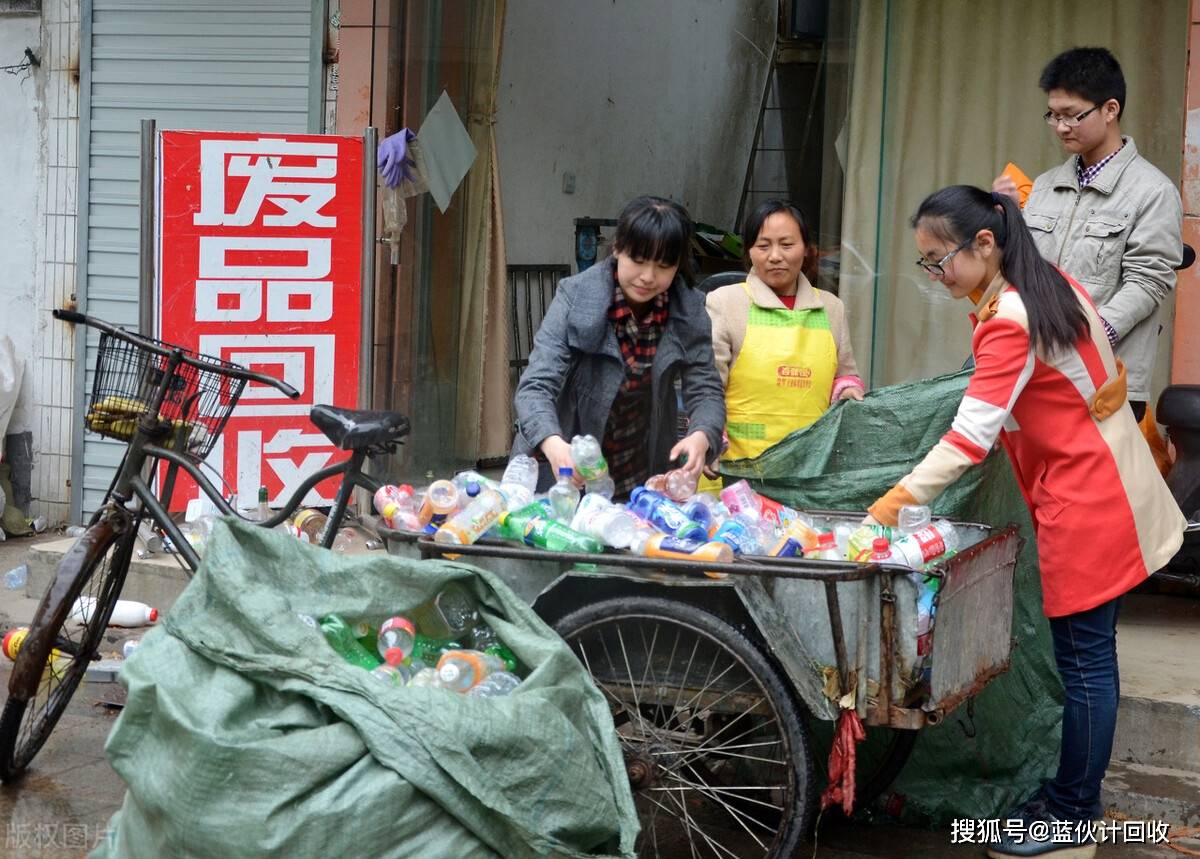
{"x": 715, "y": 745}
{"x": 878, "y": 759}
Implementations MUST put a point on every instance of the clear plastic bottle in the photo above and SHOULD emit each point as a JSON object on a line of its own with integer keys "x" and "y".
{"x": 666, "y": 546}
{"x": 521, "y": 470}
{"x": 589, "y": 461}
{"x": 441, "y": 500}
{"x": 563, "y": 495}
{"x": 665, "y": 514}
{"x": 739, "y": 497}
{"x": 401, "y": 495}
{"x": 681, "y": 485}
{"x": 826, "y": 548}
{"x": 881, "y": 552}
{"x": 912, "y": 518}
{"x": 842, "y": 533}
{"x": 495, "y": 685}
{"x": 599, "y": 518}
{"x": 426, "y": 677}
{"x": 450, "y": 614}
{"x": 344, "y": 540}
{"x": 392, "y": 675}
{"x": 934, "y": 540}
{"x": 459, "y": 670}
{"x": 397, "y": 635}
{"x": 310, "y": 524}
{"x": 464, "y": 479}
{"x": 473, "y": 521}
{"x": 735, "y": 533}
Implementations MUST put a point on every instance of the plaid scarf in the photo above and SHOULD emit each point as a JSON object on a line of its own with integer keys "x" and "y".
{"x": 624, "y": 443}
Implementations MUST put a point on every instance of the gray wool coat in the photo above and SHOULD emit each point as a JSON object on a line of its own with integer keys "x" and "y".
{"x": 576, "y": 369}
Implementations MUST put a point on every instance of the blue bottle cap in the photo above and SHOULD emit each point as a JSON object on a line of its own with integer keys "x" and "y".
{"x": 566, "y": 472}
{"x": 472, "y": 489}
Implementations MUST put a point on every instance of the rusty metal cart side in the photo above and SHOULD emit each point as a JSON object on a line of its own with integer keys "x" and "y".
{"x": 715, "y": 682}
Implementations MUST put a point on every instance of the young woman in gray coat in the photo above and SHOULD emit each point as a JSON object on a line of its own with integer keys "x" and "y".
{"x": 613, "y": 341}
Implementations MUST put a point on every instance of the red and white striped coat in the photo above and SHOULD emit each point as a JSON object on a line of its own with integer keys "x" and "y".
{"x": 1103, "y": 515}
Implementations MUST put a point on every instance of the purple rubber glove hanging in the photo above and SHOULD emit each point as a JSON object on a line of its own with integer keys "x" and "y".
{"x": 392, "y": 158}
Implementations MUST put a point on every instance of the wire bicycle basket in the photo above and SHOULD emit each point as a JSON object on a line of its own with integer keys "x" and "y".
{"x": 200, "y": 393}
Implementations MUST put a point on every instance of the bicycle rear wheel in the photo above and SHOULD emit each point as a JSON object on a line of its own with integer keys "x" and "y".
{"x": 56, "y": 653}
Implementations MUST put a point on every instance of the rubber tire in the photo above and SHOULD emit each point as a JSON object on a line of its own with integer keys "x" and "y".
{"x": 17, "y": 749}
{"x": 773, "y": 683}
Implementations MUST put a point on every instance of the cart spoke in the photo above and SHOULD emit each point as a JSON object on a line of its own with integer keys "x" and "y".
{"x": 740, "y": 816}
{"x": 693, "y": 826}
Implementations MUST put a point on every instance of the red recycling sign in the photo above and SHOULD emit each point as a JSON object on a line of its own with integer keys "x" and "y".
{"x": 259, "y": 249}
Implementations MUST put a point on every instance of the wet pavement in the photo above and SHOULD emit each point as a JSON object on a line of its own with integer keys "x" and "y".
{"x": 62, "y": 806}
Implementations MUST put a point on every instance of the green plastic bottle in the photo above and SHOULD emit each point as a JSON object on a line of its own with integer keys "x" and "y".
{"x": 557, "y": 537}
{"x": 429, "y": 650}
{"x": 340, "y": 636}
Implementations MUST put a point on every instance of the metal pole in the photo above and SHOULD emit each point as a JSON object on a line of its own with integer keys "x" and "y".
{"x": 367, "y": 351}
{"x": 146, "y": 232}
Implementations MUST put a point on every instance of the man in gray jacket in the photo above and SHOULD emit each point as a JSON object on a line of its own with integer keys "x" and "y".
{"x": 1107, "y": 217}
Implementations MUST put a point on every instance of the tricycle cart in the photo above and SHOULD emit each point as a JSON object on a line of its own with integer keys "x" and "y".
{"x": 718, "y": 674}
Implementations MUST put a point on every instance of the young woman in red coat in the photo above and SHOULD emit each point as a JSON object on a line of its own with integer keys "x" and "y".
{"x": 1047, "y": 386}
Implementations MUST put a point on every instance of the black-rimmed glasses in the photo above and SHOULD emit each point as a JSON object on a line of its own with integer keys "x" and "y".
{"x": 937, "y": 269}
{"x": 1053, "y": 119}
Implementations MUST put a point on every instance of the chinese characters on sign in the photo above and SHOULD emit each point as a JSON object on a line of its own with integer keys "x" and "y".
{"x": 260, "y": 237}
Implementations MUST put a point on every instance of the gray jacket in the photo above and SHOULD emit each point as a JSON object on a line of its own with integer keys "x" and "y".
{"x": 576, "y": 369}
{"x": 1120, "y": 237}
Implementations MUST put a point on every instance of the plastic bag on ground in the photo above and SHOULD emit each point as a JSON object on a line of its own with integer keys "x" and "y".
{"x": 244, "y": 734}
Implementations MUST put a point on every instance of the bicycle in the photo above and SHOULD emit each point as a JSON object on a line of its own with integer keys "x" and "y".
{"x": 169, "y": 405}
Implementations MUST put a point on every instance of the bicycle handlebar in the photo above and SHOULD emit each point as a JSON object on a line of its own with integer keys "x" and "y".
{"x": 231, "y": 370}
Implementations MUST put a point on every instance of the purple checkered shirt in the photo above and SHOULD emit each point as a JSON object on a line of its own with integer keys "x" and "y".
{"x": 1087, "y": 175}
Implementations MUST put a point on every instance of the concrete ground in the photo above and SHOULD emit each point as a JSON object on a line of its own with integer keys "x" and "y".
{"x": 62, "y": 806}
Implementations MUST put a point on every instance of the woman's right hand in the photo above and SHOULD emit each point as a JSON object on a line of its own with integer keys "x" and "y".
{"x": 558, "y": 454}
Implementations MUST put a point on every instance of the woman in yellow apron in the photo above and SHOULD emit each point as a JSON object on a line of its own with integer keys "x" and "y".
{"x": 782, "y": 346}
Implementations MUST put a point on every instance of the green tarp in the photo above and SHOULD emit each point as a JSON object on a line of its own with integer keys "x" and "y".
{"x": 245, "y": 735}
{"x": 975, "y": 764}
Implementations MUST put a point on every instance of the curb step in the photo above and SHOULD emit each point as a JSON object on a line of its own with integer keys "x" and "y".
{"x": 1146, "y": 792}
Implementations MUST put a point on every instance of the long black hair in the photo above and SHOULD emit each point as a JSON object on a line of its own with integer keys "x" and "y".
{"x": 956, "y": 214}
{"x": 754, "y": 224}
{"x": 655, "y": 228}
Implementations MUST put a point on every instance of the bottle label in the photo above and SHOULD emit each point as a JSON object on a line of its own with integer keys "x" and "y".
{"x": 932, "y": 544}
{"x": 678, "y": 546}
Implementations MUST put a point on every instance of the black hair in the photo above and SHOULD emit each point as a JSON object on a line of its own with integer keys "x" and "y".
{"x": 654, "y": 228}
{"x": 957, "y": 214}
{"x": 754, "y": 223}
{"x": 1093, "y": 73}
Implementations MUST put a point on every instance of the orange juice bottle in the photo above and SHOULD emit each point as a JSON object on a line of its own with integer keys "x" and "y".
{"x": 14, "y": 640}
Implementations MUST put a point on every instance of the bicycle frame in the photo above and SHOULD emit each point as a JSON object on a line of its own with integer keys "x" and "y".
{"x": 130, "y": 484}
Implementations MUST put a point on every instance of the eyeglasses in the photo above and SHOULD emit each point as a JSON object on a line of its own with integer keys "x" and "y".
{"x": 1053, "y": 119}
{"x": 937, "y": 269}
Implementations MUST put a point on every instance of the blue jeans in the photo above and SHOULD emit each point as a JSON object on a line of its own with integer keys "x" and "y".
{"x": 1085, "y": 650}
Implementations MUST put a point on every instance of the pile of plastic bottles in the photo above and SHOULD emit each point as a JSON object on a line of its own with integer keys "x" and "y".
{"x": 665, "y": 518}
{"x": 307, "y": 525}
{"x": 442, "y": 643}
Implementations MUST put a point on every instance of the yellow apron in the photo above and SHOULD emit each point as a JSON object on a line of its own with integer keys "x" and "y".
{"x": 782, "y": 378}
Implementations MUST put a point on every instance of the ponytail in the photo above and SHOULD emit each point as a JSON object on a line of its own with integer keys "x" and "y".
{"x": 959, "y": 212}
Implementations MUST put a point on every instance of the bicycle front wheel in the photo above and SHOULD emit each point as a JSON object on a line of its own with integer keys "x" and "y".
{"x": 56, "y": 653}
